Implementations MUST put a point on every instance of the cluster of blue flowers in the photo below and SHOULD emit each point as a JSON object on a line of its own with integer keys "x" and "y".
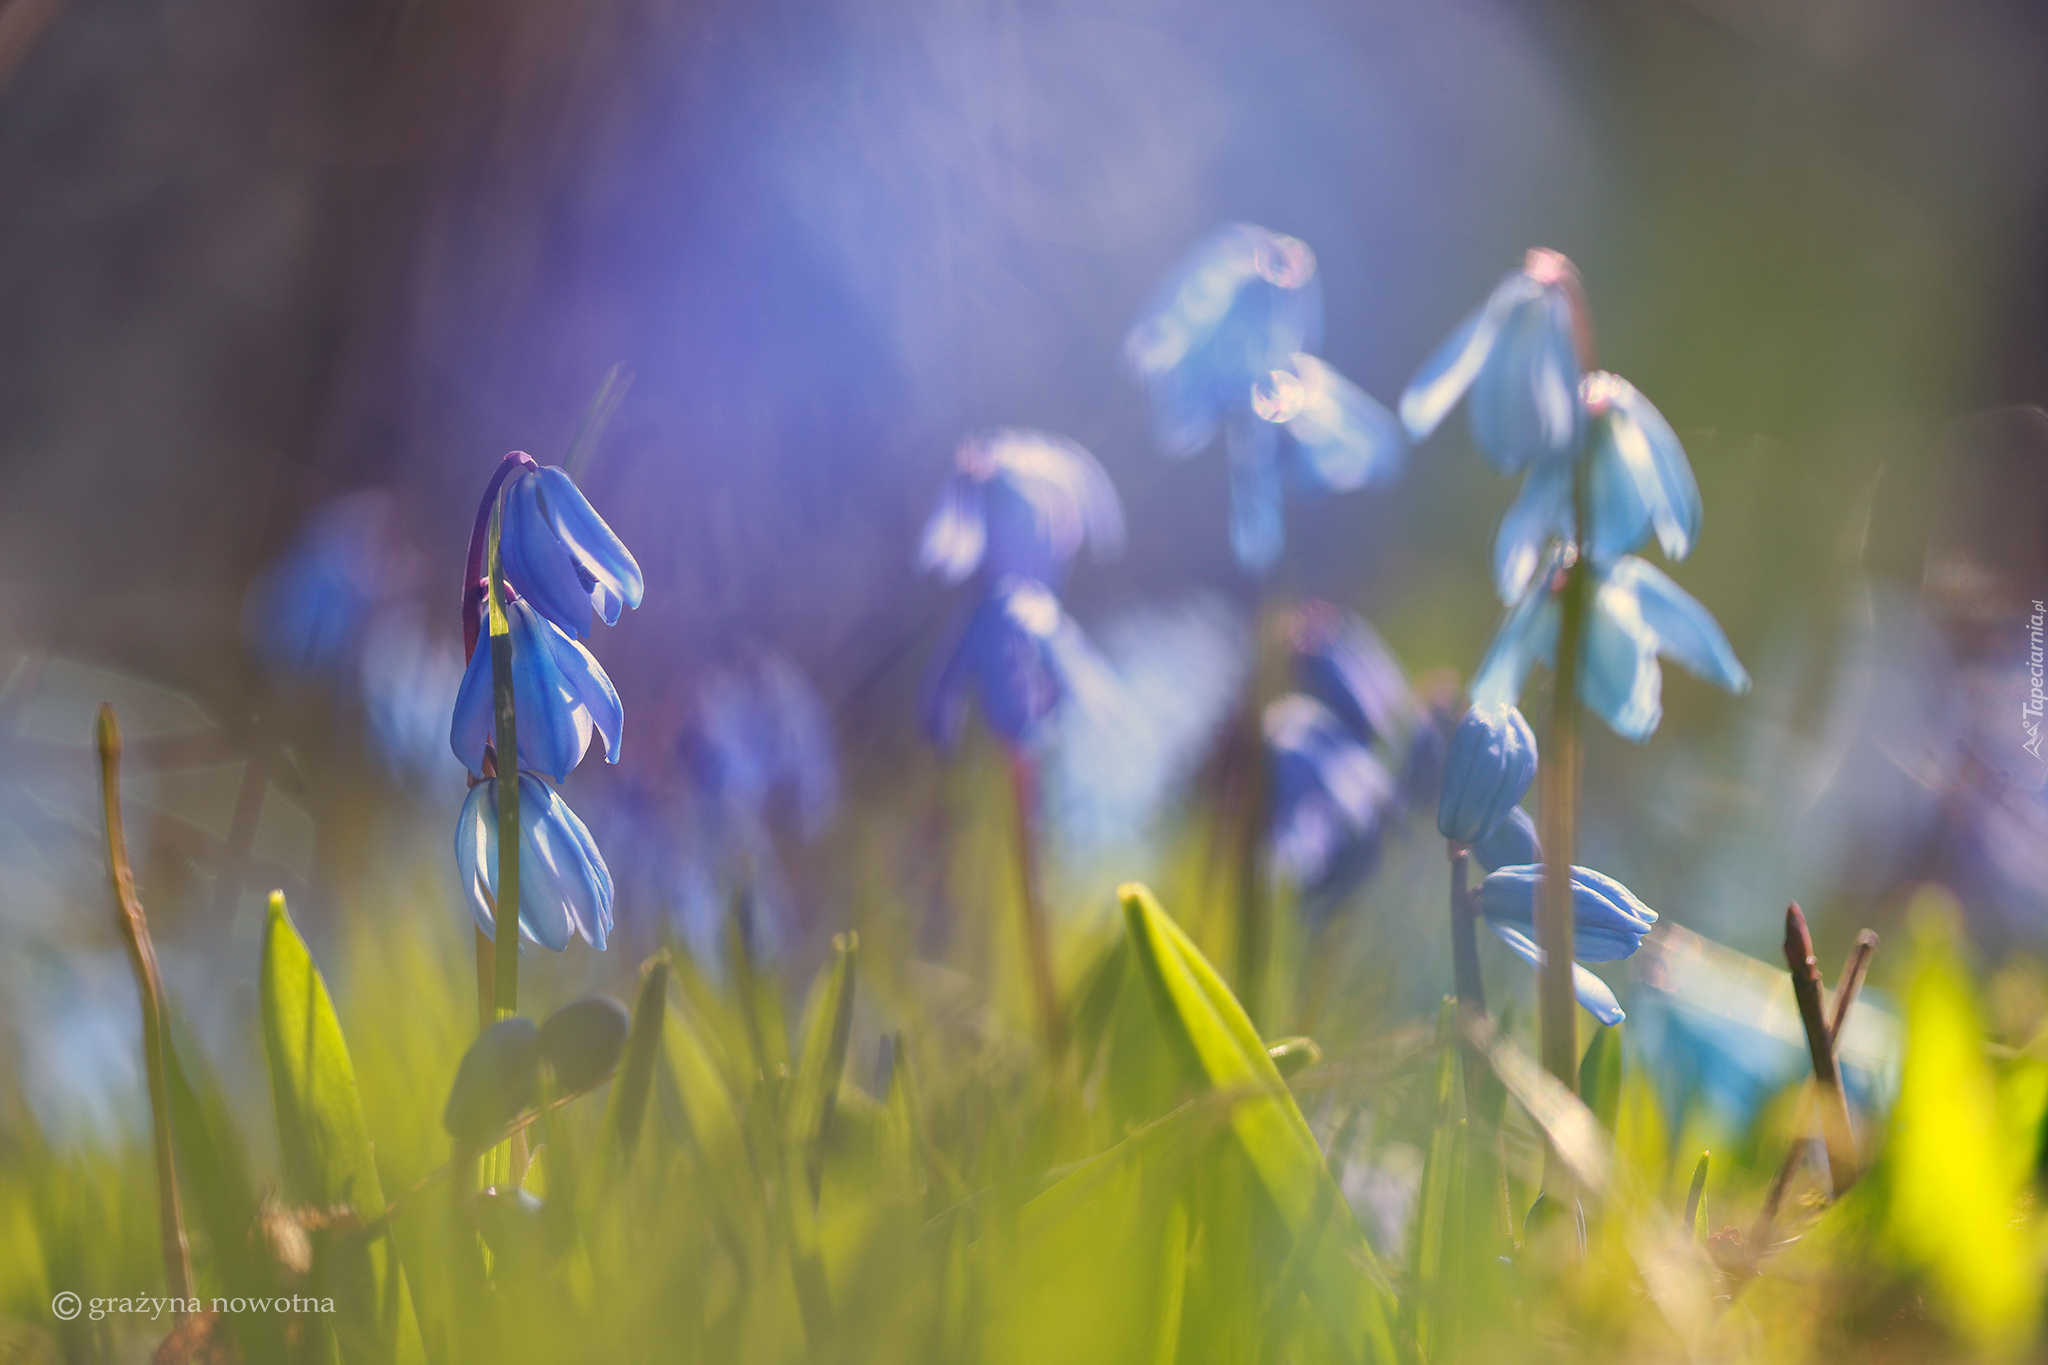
{"x": 563, "y": 568}
{"x": 1228, "y": 346}
{"x": 1602, "y": 472}
{"x": 1489, "y": 768}
{"x": 1340, "y": 744}
{"x": 1016, "y": 512}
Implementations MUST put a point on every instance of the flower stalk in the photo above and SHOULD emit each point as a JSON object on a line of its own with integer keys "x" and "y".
{"x": 505, "y": 960}
{"x": 1556, "y": 1005}
{"x": 134, "y": 927}
{"x": 1037, "y": 933}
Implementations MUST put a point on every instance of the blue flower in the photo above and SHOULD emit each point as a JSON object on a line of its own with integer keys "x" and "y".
{"x": 1638, "y": 614}
{"x": 1512, "y": 842}
{"x": 1638, "y": 483}
{"x": 1330, "y": 797}
{"x": 557, "y": 552}
{"x": 1237, "y": 308}
{"x": 1491, "y": 762}
{"x": 306, "y": 615}
{"x": 564, "y": 886}
{"x": 1021, "y": 654}
{"x": 1341, "y": 661}
{"x": 1020, "y": 502}
{"x": 1608, "y": 924}
{"x": 760, "y": 728}
{"x": 560, "y": 695}
{"x": 1227, "y": 346}
{"x": 1520, "y": 356}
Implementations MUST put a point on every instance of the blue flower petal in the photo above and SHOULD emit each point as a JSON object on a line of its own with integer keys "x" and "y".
{"x": 1256, "y": 530}
{"x": 1329, "y": 792}
{"x": 1525, "y": 399}
{"x": 1540, "y": 514}
{"x": 599, "y": 552}
{"x": 1619, "y": 680}
{"x": 1492, "y": 760}
{"x": 1610, "y": 921}
{"x": 1684, "y": 629}
{"x": 957, "y": 534}
{"x": 571, "y": 890}
{"x": 589, "y": 689}
{"x": 476, "y": 853}
{"x": 1526, "y": 634}
{"x": 1593, "y": 993}
{"x": 540, "y": 568}
{"x": 1640, "y": 479}
{"x": 1447, "y": 374}
{"x": 1346, "y": 439}
{"x": 1342, "y": 662}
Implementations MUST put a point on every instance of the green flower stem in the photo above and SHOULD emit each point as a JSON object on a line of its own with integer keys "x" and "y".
{"x": 134, "y": 927}
{"x": 1471, "y": 990}
{"x": 1556, "y": 1006}
{"x": 1037, "y": 934}
{"x": 505, "y": 961}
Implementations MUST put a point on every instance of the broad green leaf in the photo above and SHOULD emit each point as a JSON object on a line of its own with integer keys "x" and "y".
{"x": 1954, "y": 1196}
{"x": 1211, "y": 1031}
{"x": 325, "y": 1145}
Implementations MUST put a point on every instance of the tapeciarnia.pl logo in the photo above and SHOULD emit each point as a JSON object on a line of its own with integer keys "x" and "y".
{"x": 2037, "y": 696}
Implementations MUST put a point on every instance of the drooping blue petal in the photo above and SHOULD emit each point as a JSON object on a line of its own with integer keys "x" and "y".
{"x": 555, "y": 717}
{"x": 1257, "y": 533}
{"x": 587, "y": 688}
{"x": 1641, "y": 480}
{"x": 1447, "y": 374}
{"x": 1526, "y": 634}
{"x": 1608, "y": 922}
{"x": 1540, "y": 514}
{"x": 1525, "y": 399}
{"x": 1080, "y": 673}
{"x": 1685, "y": 630}
{"x": 540, "y": 568}
{"x": 572, "y": 887}
{"x": 305, "y": 615}
{"x": 1346, "y": 439}
{"x": 598, "y": 552}
{"x": 1491, "y": 762}
{"x": 1512, "y": 843}
{"x": 956, "y": 534}
{"x": 1021, "y": 655}
{"x": 1593, "y": 993}
{"x": 1342, "y": 662}
{"x": 564, "y": 885}
{"x": 1619, "y": 680}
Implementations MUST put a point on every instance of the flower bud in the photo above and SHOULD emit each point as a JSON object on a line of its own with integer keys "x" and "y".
{"x": 1491, "y": 762}
{"x": 1512, "y": 843}
{"x": 1608, "y": 922}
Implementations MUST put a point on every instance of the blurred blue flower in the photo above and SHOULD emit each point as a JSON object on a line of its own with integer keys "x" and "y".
{"x": 1020, "y": 502}
{"x": 1638, "y": 614}
{"x": 407, "y": 675}
{"x": 1330, "y": 796}
{"x": 1341, "y": 661}
{"x": 564, "y": 886}
{"x": 1608, "y": 925}
{"x": 560, "y": 695}
{"x": 1638, "y": 482}
{"x": 1512, "y": 842}
{"x": 759, "y": 728}
{"x": 1237, "y": 308}
{"x": 555, "y": 550}
{"x": 1021, "y": 654}
{"x": 1520, "y": 357}
{"x": 1227, "y": 345}
{"x": 1492, "y": 760}
{"x": 306, "y": 614}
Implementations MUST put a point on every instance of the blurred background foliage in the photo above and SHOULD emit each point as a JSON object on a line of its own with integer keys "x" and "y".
{"x": 261, "y": 258}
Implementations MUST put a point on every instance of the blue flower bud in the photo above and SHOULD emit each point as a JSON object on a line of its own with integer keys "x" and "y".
{"x": 561, "y": 556}
{"x": 1608, "y": 921}
{"x": 1491, "y": 762}
{"x": 1022, "y": 655}
{"x": 559, "y": 692}
{"x": 1512, "y": 843}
